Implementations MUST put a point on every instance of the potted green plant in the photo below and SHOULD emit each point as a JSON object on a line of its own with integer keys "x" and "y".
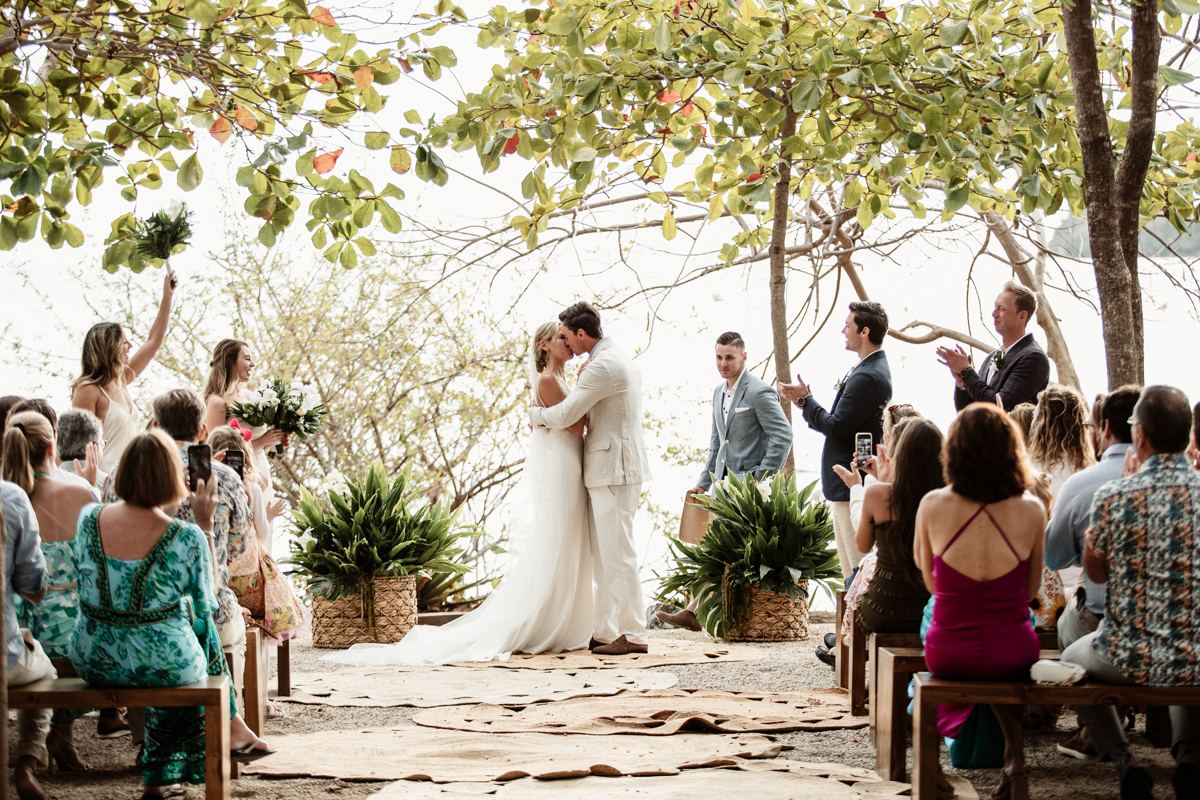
{"x": 361, "y": 552}
{"x": 767, "y": 544}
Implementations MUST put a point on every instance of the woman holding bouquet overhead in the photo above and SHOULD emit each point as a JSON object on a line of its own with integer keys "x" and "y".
{"x": 229, "y": 374}
{"x": 108, "y": 370}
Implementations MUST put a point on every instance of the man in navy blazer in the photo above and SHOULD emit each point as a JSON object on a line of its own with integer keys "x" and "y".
{"x": 1012, "y": 375}
{"x": 750, "y": 436}
{"x": 857, "y": 408}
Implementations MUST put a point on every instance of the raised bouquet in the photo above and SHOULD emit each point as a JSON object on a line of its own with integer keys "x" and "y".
{"x": 295, "y": 409}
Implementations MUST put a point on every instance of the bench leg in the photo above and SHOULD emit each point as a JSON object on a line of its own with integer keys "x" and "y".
{"x": 891, "y": 735}
{"x": 255, "y": 684}
{"x": 872, "y": 682}
{"x": 926, "y": 748}
{"x": 216, "y": 743}
{"x": 858, "y": 672}
{"x": 284, "y": 654}
{"x": 839, "y": 654}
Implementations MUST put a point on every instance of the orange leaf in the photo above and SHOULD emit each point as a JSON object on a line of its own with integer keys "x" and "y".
{"x": 191, "y": 135}
{"x": 879, "y": 13}
{"x": 13, "y": 207}
{"x": 321, "y": 16}
{"x": 755, "y": 177}
{"x": 511, "y": 145}
{"x": 226, "y": 14}
{"x": 534, "y": 38}
{"x": 1190, "y": 157}
{"x": 675, "y": 13}
{"x": 404, "y": 65}
{"x": 667, "y": 96}
{"x": 246, "y": 119}
{"x": 703, "y": 131}
{"x": 363, "y": 77}
{"x": 687, "y": 109}
{"x": 320, "y": 78}
{"x": 221, "y": 130}
{"x": 324, "y": 162}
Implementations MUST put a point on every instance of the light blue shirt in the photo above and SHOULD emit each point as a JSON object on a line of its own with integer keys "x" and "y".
{"x": 24, "y": 564}
{"x": 1072, "y": 515}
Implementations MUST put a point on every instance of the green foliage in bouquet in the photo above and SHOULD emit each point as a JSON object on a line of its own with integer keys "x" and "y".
{"x": 377, "y": 531}
{"x": 769, "y": 535}
{"x": 157, "y": 236}
{"x": 296, "y": 409}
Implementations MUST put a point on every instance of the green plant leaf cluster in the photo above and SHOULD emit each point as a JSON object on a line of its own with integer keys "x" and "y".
{"x": 129, "y": 90}
{"x": 965, "y": 102}
{"x": 768, "y": 535}
{"x": 376, "y": 531}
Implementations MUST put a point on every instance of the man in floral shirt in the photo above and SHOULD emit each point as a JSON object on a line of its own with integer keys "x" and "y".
{"x": 180, "y": 414}
{"x": 1144, "y": 541}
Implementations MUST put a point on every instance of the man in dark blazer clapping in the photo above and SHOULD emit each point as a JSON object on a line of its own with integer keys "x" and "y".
{"x": 857, "y": 408}
{"x": 1011, "y": 375}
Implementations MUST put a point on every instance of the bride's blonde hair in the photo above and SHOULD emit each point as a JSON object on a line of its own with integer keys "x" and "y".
{"x": 545, "y": 333}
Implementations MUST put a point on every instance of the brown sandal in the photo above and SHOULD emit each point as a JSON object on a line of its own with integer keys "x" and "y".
{"x": 1012, "y": 787}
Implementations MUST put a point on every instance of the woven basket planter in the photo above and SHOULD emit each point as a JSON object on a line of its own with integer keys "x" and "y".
{"x": 337, "y": 624}
{"x": 773, "y": 618}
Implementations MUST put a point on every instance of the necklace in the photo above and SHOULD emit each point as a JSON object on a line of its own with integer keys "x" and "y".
{"x": 37, "y": 474}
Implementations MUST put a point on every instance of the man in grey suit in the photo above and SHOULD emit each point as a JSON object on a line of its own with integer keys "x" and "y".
{"x": 750, "y": 436}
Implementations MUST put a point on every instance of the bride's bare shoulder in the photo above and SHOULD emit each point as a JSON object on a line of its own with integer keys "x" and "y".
{"x": 550, "y": 390}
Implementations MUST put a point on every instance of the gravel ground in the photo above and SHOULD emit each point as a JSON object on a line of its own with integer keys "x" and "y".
{"x": 790, "y": 666}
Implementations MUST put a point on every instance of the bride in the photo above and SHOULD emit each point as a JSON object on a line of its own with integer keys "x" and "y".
{"x": 544, "y": 602}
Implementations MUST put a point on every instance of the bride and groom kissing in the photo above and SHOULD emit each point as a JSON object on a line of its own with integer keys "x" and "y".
{"x": 572, "y": 580}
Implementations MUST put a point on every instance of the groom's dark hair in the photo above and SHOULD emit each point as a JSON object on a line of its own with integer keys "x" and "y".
{"x": 582, "y": 316}
{"x": 732, "y": 338}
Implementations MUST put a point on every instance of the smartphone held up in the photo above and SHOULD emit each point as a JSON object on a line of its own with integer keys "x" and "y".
{"x": 199, "y": 465}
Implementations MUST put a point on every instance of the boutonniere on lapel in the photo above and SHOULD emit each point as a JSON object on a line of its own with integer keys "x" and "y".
{"x": 998, "y": 361}
{"x": 837, "y": 387}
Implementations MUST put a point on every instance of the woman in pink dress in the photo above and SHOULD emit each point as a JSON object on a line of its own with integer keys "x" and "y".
{"x": 979, "y": 546}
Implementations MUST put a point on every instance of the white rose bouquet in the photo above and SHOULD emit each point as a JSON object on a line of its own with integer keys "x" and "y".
{"x": 294, "y": 408}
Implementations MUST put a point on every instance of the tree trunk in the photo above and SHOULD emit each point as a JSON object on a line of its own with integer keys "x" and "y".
{"x": 1109, "y": 199}
{"x": 779, "y": 226}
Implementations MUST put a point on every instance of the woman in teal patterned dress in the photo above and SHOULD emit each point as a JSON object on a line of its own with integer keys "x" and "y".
{"x": 146, "y": 602}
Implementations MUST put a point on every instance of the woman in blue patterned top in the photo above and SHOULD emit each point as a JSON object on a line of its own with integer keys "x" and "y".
{"x": 146, "y": 601}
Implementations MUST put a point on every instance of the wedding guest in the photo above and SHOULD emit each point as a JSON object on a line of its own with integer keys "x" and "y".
{"x": 1060, "y": 442}
{"x": 164, "y": 635}
{"x": 39, "y": 406}
{"x": 1144, "y": 544}
{"x": 6, "y": 404}
{"x": 1011, "y": 375}
{"x": 80, "y": 446}
{"x": 858, "y": 401}
{"x": 180, "y": 415}
{"x": 228, "y": 377}
{"x": 108, "y": 370}
{"x": 1069, "y": 524}
{"x": 260, "y": 586}
{"x": 25, "y": 576}
{"x": 750, "y": 436}
{"x": 1022, "y": 415}
{"x": 979, "y": 546}
{"x": 28, "y": 455}
{"x": 1194, "y": 446}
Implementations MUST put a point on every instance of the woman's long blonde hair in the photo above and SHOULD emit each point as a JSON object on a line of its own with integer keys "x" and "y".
{"x": 26, "y": 439}
{"x": 544, "y": 333}
{"x": 104, "y": 360}
{"x": 1059, "y": 434}
{"x": 222, "y": 369}
{"x": 226, "y": 438}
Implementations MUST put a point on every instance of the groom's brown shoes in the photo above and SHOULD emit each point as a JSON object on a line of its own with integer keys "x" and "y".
{"x": 681, "y": 619}
{"x": 620, "y": 647}
{"x": 594, "y": 643}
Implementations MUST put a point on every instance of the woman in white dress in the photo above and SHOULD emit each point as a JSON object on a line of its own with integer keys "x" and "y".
{"x": 229, "y": 374}
{"x": 109, "y": 369}
{"x": 544, "y": 601}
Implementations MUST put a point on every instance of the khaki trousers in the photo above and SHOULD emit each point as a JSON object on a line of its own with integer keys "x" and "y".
{"x": 233, "y": 642}
{"x": 33, "y": 725}
{"x": 843, "y": 534}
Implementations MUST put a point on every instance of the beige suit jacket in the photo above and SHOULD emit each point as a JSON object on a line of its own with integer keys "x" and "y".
{"x": 609, "y": 392}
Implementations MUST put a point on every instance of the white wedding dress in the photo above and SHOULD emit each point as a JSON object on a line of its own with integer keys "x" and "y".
{"x": 544, "y": 601}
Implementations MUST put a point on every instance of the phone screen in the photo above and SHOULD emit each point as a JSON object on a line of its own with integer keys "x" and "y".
{"x": 236, "y": 461}
{"x": 863, "y": 446}
{"x": 199, "y": 464}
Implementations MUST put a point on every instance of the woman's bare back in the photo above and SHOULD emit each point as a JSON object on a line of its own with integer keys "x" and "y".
{"x": 981, "y": 551}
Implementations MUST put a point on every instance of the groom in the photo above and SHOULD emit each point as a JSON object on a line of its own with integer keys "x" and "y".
{"x": 609, "y": 392}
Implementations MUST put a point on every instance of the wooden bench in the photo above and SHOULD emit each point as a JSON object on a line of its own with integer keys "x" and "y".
{"x": 894, "y": 668}
{"x": 212, "y": 693}
{"x": 841, "y": 660}
{"x": 931, "y": 691}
